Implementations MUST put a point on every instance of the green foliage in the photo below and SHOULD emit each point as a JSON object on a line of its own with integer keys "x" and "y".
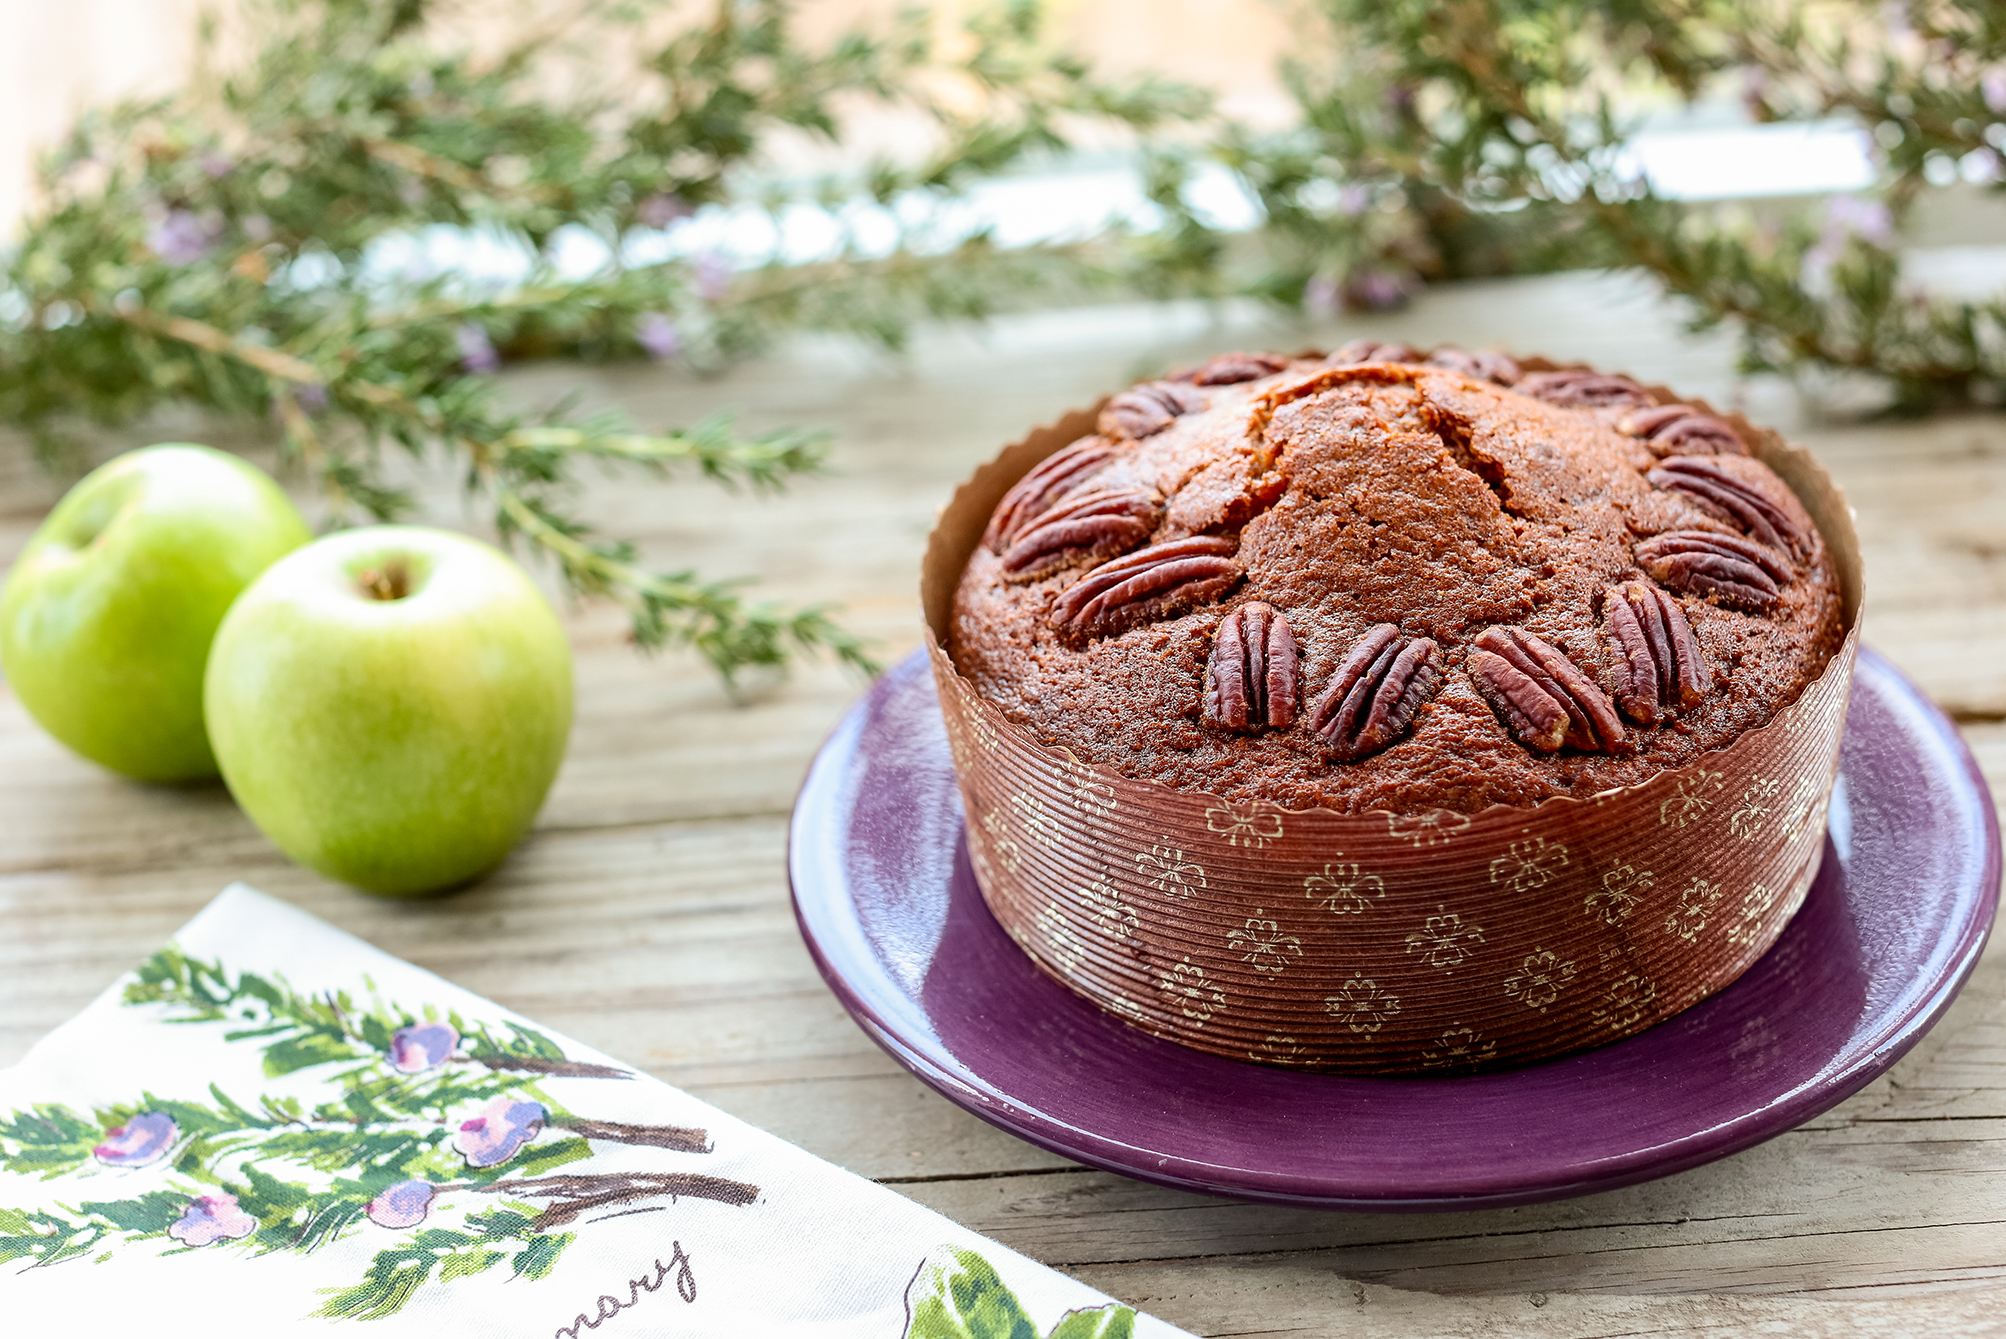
{"x": 958, "y": 1295}
{"x": 1488, "y": 136}
{"x": 226, "y": 248}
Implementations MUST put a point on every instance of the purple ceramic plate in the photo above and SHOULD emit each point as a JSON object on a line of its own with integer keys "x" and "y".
{"x": 1890, "y": 930}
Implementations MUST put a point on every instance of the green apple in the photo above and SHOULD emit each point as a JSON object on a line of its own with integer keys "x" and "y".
{"x": 390, "y": 705}
{"x": 106, "y": 619}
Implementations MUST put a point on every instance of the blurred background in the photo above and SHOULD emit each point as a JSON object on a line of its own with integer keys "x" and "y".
{"x": 334, "y": 226}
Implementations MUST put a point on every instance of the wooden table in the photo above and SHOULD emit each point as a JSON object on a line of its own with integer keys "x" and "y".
{"x": 649, "y": 914}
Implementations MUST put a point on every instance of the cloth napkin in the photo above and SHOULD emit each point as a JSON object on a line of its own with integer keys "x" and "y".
{"x": 270, "y": 1127}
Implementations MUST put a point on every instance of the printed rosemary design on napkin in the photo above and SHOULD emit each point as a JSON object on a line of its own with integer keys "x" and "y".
{"x": 432, "y": 1132}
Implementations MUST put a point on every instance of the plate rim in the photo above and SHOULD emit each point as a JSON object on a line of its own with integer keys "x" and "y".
{"x": 1901, "y": 1030}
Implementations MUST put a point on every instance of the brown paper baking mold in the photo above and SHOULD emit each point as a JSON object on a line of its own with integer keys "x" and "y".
{"x": 1383, "y": 943}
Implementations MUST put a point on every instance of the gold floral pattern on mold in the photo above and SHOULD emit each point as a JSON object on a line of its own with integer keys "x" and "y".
{"x": 1444, "y": 942}
{"x": 1111, "y": 916}
{"x": 1529, "y": 864}
{"x": 1623, "y": 888}
{"x": 1802, "y": 808}
{"x": 1252, "y": 824}
{"x": 1690, "y": 799}
{"x": 1191, "y": 992}
{"x": 1459, "y": 1047}
{"x": 1063, "y": 944}
{"x": 1169, "y": 871}
{"x": 1344, "y": 888}
{"x": 1085, "y": 790}
{"x": 1755, "y": 905}
{"x": 1036, "y": 822}
{"x": 1626, "y": 1002}
{"x": 1274, "y": 1049}
{"x": 1263, "y": 945}
{"x": 1429, "y": 829}
{"x": 1361, "y": 1005}
{"x": 1539, "y": 980}
{"x": 1001, "y": 844}
{"x": 1696, "y": 903}
{"x": 1757, "y": 802}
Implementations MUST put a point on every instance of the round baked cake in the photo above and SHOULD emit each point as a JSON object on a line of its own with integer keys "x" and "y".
{"x": 1384, "y": 580}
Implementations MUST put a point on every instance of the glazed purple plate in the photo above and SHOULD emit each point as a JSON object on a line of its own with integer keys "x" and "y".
{"x": 1889, "y": 932}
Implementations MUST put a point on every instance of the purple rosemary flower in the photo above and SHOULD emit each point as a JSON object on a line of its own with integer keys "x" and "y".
{"x": 503, "y": 1126}
{"x": 1992, "y": 87}
{"x": 403, "y": 1205}
{"x": 141, "y": 1140}
{"x": 657, "y": 334}
{"x": 661, "y": 209}
{"x": 421, "y": 1046}
{"x": 477, "y": 351}
{"x": 1375, "y": 290}
{"x": 1320, "y": 295}
{"x": 713, "y": 276}
{"x": 1755, "y": 92}
{"x": 182, "y": 237}
{"x": 1854, "y": 216}
{"x": 1353, "y": 200}
{"x": 312, "y": 397}
{"x": 212, "y": 1218}
{"x": 216, "y": 164}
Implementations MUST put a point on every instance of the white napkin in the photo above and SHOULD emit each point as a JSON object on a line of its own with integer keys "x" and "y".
{"x": 270, "y": 1126}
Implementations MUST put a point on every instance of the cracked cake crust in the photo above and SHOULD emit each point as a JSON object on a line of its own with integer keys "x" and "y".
{"x": 1353, "y": 496}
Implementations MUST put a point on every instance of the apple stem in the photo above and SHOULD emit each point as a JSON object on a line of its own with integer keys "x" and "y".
{"x": 390, "y": 581}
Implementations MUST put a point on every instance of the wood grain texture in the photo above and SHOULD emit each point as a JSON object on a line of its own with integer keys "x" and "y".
{"x": 649, "y": 914}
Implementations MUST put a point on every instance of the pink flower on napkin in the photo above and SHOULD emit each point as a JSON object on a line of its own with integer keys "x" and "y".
{"x": 212, "y": 1218}
{"x": 403, "y": 1205}
{"x": 503, "y": 1126}
{"x": 422, "y": 1046}
{"x": 141, "y": 1140}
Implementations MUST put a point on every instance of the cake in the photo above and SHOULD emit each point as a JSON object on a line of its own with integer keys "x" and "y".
{"x": 1388, "y": 581}
{"x": 1394, "y": 712}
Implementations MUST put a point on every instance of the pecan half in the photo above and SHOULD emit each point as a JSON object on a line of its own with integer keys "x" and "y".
{"x": 1581, "y": 389}
{"x": 1142, "y": 411}
{"x": 1727, "y": 495}
{"x": 1684, "y": 429}
{"x": 1230, "y": 368}
{"x": 1049, "y": 480}
{"x": 1372, "y": 351}
{"x": 1543, "y": 696}
{"x": 1659, "y": 665}
{"x": 1377, "y": 689}
{"x": 1087, "y": 526}
{"x": 1155, "y": 582}
{"x": 1250, "y": 681}
{"x": 1734, "y": 571}
{"x": 1483, "y": 364}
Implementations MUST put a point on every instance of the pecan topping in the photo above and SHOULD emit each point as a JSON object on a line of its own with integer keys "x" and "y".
{"x": 1739, "y": 573}
{"x": 1250, "y": 682}
{"x": 1079, "y": 527}
{"x": 1372, "y": 351}
{"x": 1051, "y": 479}
{"x": 1155, "y": 582}
{"x": 1733, "y": 498}
{"x": 1584, "y": 390}
{"x": 1483, "y": 364}
{"x": 1659, "y": 665}
{"x": 1142, "y": 411}
{"x": 1229, "y": 368}
{"x": 1683, "y": 429}
{"x": 1543, "y": 697}
{"x": 1376, "y": 691}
